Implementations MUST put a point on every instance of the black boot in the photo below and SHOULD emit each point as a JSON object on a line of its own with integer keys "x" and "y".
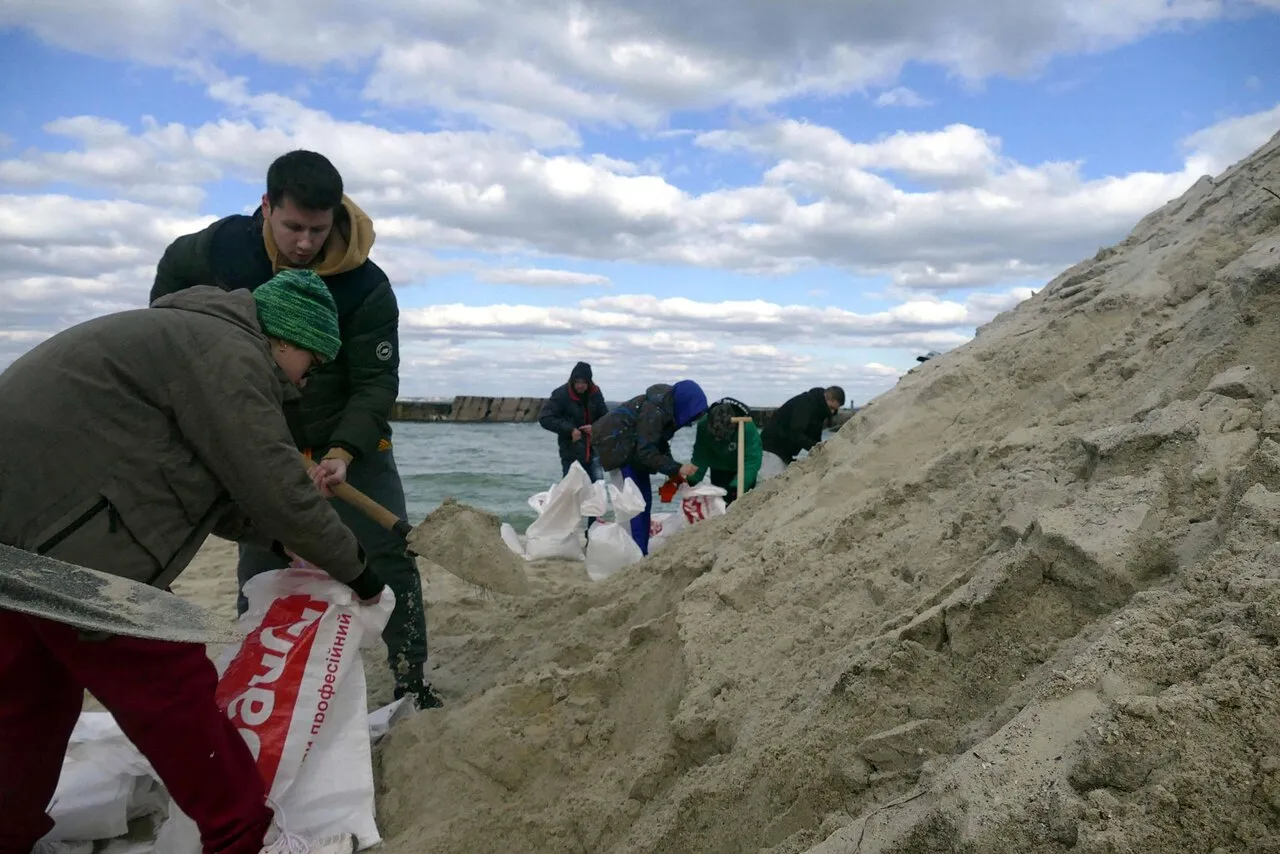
{"x": 424, "y": 696}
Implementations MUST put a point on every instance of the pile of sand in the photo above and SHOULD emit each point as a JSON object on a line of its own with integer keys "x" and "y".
{"x": 467, "y": 542}
{"x": 1028, "y": 601}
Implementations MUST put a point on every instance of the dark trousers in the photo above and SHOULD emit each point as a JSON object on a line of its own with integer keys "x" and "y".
{"x": 640, "y": 476}
{"x": 406, "y": 631}
{"x": 160, "y": 693}
{"x": 594, "y": 469}
{"x": 723, "y": 478}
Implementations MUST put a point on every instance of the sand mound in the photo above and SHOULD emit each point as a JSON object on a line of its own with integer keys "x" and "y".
{"x": 1028, "y": 601}
{"x": 467, "y": 542}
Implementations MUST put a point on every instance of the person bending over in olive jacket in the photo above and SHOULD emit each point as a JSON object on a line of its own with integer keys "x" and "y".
{"x": 128, "y": 440}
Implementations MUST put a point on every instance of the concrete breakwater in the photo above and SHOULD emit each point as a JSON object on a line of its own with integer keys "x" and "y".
{"x": 515, "y": 410}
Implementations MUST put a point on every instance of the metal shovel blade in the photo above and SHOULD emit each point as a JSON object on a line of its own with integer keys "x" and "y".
{"x": 95, "y": 601}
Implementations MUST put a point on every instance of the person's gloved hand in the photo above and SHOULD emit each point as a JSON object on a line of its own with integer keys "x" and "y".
{"x": 668, "y": 490}
{"x": 368, "y": 587}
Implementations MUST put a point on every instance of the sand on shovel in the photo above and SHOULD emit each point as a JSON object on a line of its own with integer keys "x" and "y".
{"x": 467, "y": 542}
{"x": 98, "y": 602}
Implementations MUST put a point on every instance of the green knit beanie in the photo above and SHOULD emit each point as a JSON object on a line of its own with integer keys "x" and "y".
{"x": 296, "y": 306}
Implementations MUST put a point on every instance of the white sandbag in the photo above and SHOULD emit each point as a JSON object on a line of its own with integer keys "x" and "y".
{"x": 699, "y": 503}
{"x": 53, "y": 846}
{"x": 104, "y": 783}
{"x": 295, "y": 689}
{"x": 693, "y": 504}
{"x": 126, "y": 846}
{"x": 595, "y": 499}
{"x": 556, "y": 533}
{"x": 382, "y": 720}
{"x": 92, "y": 802}
{"x": 661, "y": 527}
{"x": 771, "y": 465}
{"x": 511, "y": 538}
{"x": 610, "y": 546}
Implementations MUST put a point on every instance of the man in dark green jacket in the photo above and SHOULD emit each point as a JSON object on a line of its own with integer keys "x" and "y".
{"x": 306, "y": 221}
{"x": 715, "y": 448}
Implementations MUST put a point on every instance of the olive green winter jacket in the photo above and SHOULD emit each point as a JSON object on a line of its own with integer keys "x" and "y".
{"x": 130, "y": 438}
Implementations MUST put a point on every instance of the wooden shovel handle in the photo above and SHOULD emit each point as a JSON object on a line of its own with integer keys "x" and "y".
{"x": 369, "y": 507}
{"x": 741, "y": 421}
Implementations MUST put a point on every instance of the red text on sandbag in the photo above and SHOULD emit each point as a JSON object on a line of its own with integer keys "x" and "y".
{"x": 332, "y": 667}
{"x": 695, "y": 509}
{"x": 259, "y": 689}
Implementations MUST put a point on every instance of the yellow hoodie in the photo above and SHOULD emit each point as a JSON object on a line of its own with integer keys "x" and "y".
{"x": 342, "y": 252}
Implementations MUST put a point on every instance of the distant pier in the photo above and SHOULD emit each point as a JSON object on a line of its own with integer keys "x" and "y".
{"x": 517, "y": 410}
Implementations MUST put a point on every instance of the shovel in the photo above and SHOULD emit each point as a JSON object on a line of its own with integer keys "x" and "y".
{"x": 509, "y": 579}
{"x": 99, "y": 603}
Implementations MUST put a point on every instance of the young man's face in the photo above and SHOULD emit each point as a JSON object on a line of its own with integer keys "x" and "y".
{"x": 299, "y": 233}
{"x": 581, "y": 386}
{"x": 296, "y": 362}
{"x": 833, "y": 406}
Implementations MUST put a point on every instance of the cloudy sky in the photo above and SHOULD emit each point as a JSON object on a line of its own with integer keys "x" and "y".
{"x": 757, "y": 195}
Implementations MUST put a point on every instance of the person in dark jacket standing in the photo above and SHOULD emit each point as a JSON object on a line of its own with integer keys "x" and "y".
{"x": 128, "y": 440}
{"x": 635, "y": 440}
{"x": 306, "y": 221}
{"x": 571, "y": 413}
{"x": 797, "y": 425}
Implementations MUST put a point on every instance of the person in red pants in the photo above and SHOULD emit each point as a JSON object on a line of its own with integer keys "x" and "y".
{"x": 127, "y": 441}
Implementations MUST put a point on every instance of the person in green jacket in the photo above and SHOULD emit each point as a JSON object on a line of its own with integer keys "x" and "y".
{"x": 306, "y": 221}
{"x": 715, "y": 448}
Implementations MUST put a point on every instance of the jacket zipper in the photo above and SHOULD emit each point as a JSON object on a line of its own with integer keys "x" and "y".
{"x": 75, "y": 525}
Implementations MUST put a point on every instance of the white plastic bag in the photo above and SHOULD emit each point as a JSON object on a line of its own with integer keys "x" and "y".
{"x": 610, "y": 546}
{"x": 771, "y": 465}
{"x": 295, "y": 689}
{"x": 699, "y": 503}
{"x": 595, "y": 499}
{"x": 661, "y": 527}
{"x": 382, "y": 720}
{"x": 557, "y": 532}
{"x": 92, "y": 805}
{"x": 511, "y": 538}
{"x": 105, "y": 782}
{"x": 693, "y": 504}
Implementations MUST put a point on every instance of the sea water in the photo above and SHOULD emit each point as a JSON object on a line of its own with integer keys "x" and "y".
{"x": 496, "y": 467}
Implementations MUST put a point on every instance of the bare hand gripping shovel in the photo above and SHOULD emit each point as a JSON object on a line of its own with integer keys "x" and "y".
{"x": 97, "y": 602}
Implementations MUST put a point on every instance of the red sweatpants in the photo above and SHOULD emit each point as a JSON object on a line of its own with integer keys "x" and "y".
{"x": 162, "y": 696}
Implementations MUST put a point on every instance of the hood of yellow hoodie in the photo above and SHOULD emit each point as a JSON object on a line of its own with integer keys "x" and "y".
{"x": 348, "y": 245}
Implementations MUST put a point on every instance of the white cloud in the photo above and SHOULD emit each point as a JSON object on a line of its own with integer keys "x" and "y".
{"x": 825, "y": 199}
{"x": 929, "y": 277}
{"x": 981, "y": 220}
{"x": 543, "y": 67}
{"x": 625, "y": 365}
{"x": 922, "y": 323}
{"x": 543, "y": 278}
{"x": 901, "y": 96}
{"x": 929, "y": 215}
{"x": 983, "y": 307}
{"x": 1215, "y": 148}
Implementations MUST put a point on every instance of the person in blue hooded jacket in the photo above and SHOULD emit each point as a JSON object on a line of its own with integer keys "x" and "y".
{"x": 635, "y": 440}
